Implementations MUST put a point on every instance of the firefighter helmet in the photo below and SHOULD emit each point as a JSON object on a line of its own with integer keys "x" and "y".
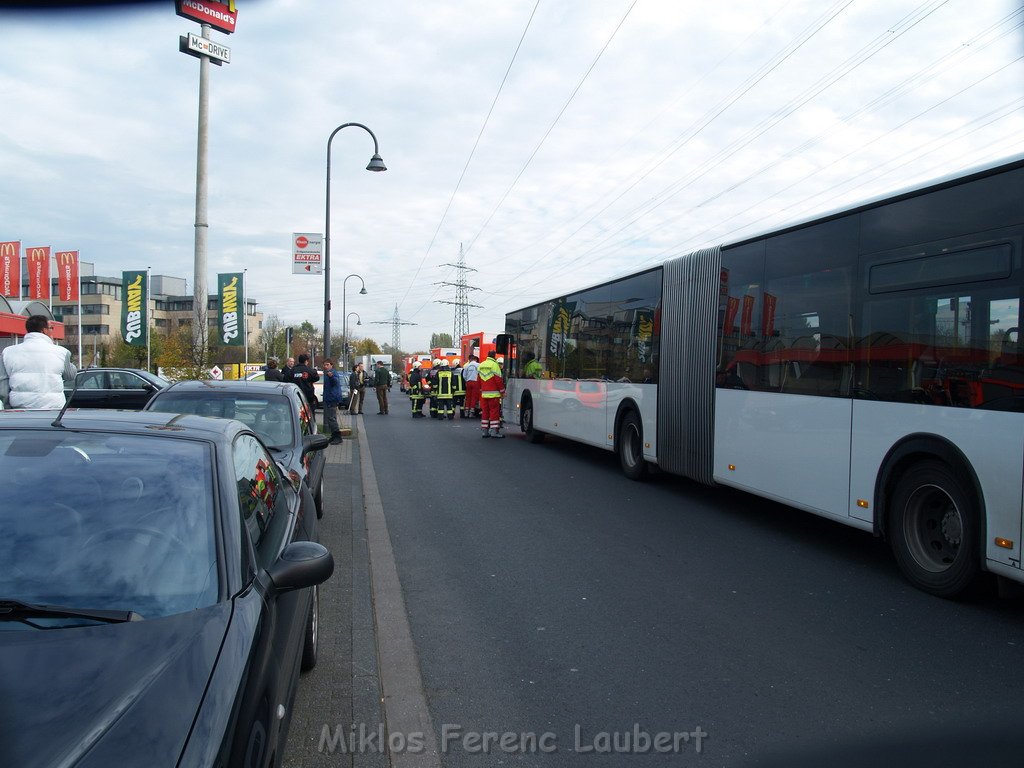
{"x": 417, "y": 364}
{"x": 456, "y": 363}
{"x": 438, "y": 362}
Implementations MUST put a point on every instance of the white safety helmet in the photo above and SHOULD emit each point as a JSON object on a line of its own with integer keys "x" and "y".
{"x": 456, "y": 363}
{"x": 417, "y": 364}
{"x": 438, "y": 362}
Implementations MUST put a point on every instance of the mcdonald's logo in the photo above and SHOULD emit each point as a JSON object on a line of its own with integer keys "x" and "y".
{"x": 67, "y": 258}
{"x": 9, "y": 249}
{"x": 37, "y": 254}
{"x": 10, "y": 268}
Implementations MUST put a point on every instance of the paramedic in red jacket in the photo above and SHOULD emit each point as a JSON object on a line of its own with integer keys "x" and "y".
{"x": 492, "y": 387}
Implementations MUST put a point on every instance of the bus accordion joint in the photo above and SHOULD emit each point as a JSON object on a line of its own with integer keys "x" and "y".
{"x": 1004, "y": 543}
{"x": 863, "y": 503}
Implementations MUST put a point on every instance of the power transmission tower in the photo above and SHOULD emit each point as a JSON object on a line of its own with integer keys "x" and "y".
{"x": 396, "y": 329}
{"x": 461, "y": 302}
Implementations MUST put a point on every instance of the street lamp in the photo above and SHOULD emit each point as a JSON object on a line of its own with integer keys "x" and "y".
{"x": 376, "y": 164}
{"x": 344, "y": 325}
{"x": 344, "y": 332}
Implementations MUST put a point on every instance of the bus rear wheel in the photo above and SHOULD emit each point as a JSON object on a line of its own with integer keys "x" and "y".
{"x": 631, "y": 447}
{"x": 933, "y": 530}
{"x": 526, "y": 422}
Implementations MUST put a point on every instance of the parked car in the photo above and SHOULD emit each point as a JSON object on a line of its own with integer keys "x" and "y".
{"x": 159, "y": 591}
{"x": 126, "y": 388}
{"x": 275, "y": 411}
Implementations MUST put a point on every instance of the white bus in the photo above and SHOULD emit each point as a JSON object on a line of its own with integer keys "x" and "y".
{"x": 866, "y": 366}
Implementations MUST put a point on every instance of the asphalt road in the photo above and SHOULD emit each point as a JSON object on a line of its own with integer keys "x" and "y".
{"x": 576, "y": 614}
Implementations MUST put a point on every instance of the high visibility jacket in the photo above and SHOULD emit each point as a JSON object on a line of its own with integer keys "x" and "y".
{"x": 444, "y": 384}
{"x": 491, "y": 382}
{"x": 458, "y": 383}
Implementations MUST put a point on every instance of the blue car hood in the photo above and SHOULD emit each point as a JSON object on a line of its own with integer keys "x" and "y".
{"x": 108, "y": 695}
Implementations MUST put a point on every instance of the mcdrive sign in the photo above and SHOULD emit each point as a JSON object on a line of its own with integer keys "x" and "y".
{"x": 220, "y": 16}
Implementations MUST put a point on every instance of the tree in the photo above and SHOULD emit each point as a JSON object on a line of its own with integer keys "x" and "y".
{"x": 365, "y": 347}
{"x": 271, "y": 338}
{"x": 178, "y": 356}
{"x": 124, "y": 355}
{"x": 441, "y": 340}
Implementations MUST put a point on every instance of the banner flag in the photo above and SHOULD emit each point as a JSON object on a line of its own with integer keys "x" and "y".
{"x": 231, "y": 302}
{"x": 67, "y": 275}
{"x": 10, "y": 269}
{"x": 37, "y": 261}
{"x": 134, "y": 308}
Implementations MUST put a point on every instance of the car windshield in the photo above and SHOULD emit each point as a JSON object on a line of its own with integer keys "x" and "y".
{"x": 269, "y": 416}
{"x": 107, "y": 521}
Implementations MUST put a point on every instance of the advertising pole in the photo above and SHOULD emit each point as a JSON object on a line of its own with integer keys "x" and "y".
{"x": 149, "y": 330}
{"x": 245, "y": 320}
{"x": 199, "y": 301}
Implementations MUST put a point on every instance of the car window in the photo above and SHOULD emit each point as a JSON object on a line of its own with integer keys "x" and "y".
{"x": 125, "y": 380}
{"x": 92, "y": 380}
{"x": 304, "y": 415}
{"x": 107, "y": 521}
{"x": 269, "y": 417}
{"x": 261, "y": 501}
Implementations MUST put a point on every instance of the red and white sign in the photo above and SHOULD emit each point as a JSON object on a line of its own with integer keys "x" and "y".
{"x": 221, "y": 16}
{"x": 37, "y": 261}
{"x": 10, "y": 269}
{"x": 67, "y": 275}
{"x": 307, "y": 248}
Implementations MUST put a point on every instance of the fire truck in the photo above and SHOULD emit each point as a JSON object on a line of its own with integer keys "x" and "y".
{"x": 480, "y": 344}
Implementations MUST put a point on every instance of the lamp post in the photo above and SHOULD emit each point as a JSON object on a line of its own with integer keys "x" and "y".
{"x": 375, "y": 164}
{"x": 344, "y": 330}
{"x": 344, "y": 325}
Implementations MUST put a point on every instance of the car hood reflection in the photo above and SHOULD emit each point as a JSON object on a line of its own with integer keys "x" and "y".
{"x": 105, "y": 695}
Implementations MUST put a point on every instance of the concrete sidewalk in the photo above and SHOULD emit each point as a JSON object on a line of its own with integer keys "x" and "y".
{"x": 344, "y": 687}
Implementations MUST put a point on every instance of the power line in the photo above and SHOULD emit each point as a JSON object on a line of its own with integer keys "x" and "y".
{"x": 396, "y": 324}
{"x": 462, "y": 289}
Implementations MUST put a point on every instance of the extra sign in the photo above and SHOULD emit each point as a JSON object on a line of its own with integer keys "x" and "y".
{"x": 306, "y": 253}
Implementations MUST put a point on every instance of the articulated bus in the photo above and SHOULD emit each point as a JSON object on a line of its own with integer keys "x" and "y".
{"x": 866, "y": 366}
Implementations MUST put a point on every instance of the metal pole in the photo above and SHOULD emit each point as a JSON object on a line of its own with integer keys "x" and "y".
{"x": 327, "y": 232}
{"x": 245, "y": 320}
{"x": 149, "y": 329}
{"x": 79, "y": 265}
{"x": 199, "y": 329}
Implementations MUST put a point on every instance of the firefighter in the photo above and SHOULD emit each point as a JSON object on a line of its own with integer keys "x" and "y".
{"x": 458, "y": 388}
{"x": 443, "y": 391}
{"x": 492, "y": 387}
{"x": 416, "y": 390}
{"x": 429, "y": 386}
{"x": 435, "y": 385}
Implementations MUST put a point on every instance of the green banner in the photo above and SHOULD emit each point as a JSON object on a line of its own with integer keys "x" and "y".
{"x": 231, "y": 301}
{"x": 134, "y": 308}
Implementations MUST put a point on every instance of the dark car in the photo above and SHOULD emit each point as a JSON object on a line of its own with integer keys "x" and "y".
{"x": 158, "y": 594}
{"x": 276, "y": 411}
{"x": 127, "y": 388}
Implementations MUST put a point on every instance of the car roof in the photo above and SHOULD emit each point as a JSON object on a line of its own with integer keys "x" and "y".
{"x": 233, "y": 386}
{"x": 125, "y": 422}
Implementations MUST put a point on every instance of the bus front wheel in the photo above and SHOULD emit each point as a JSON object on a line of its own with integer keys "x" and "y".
{"x": 631, "y": 447}
{"x": 933, "y": 530}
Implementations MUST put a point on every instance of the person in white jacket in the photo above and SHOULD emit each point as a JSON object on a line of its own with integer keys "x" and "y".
{"x": 32, "y": 374}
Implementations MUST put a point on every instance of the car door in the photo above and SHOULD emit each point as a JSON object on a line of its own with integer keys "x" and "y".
{"x": 314, "y": 460}
{"x": 269, "y": 508}
{"x": 129, "y": 390}
{"x": 91, "y": 390}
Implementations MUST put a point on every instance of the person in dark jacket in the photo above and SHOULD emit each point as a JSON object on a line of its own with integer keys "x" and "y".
{"x": 332, "y": 399}
{"x": 286, "y": 369}
{"x": 356, "y": 384}
{"x": 382, "y": 383}
{"x": 306, "y": 377}
{"x": 273, "y": 372}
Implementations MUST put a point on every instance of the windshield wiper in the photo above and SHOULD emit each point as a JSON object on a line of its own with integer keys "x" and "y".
{"x": 15, "y": 610}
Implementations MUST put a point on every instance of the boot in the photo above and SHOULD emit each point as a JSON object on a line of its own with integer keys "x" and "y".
{"x": 496, "y": 433}
{"x": 486, "y": 434}
{"x": 336, "y": 438}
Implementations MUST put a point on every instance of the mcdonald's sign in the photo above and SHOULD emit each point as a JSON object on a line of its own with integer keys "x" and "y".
{"x": 10, "y": 269}
{"x": 37, "y": 262}
{"x": 67, "y": 275}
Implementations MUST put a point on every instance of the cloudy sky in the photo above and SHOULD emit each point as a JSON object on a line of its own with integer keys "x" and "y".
{"x": 560, "y": 142}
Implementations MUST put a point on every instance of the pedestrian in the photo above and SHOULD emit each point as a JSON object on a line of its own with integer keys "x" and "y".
{"x": 286, "y": 371}
{"x": 306, "y": 377}
{"x": 458, "y": 388}
{"x": 382, "y": 383}
{"x": 416, "y": 390}
{"x": 356, "y": 385}
{"x": 435, "y": 391}
{"x": 273, "y": 372}
{"x": 492, "y": 387}
{"x": 332, "y": 399}
{"x": 32, "y": 374}
{"x": 470, "y": 373}
{"x": 531, "y": 368}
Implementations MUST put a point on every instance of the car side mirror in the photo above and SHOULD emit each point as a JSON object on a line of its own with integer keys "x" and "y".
{"x": 312, "y": 443}
{"x": 302, "y": 564}
{"x": 502, "y": 342}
